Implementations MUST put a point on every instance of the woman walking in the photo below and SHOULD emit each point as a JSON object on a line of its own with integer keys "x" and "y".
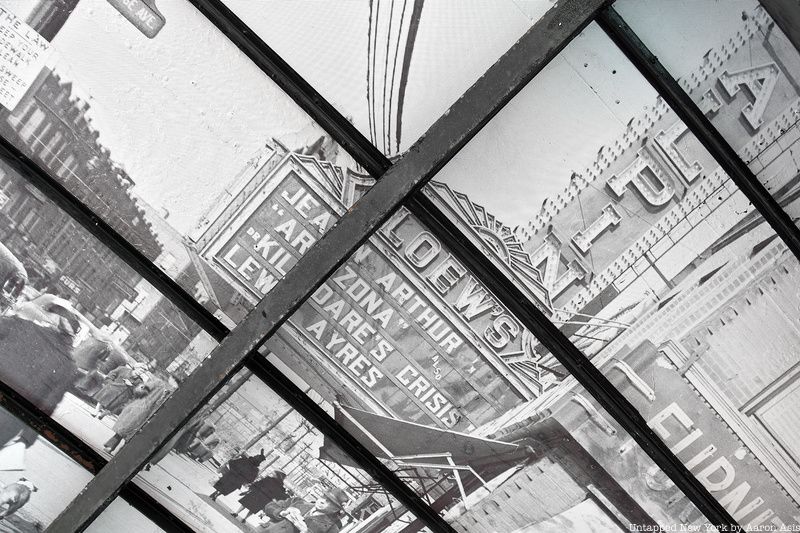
{"x": 236, "y": 473}
{"x": 261, "y": 492}
{"x": 149, "y": 396}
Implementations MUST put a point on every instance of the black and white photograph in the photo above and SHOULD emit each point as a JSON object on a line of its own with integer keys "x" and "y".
{"x": 82, "y": 336}
{"x": 157, "y": 139}
{"x": 391, "y": 68}
{"x": 121, "y": 517}
{"x": 752, "y": 96}
{"x": 249, "y": 462}
{"x": 215, "y": 142}
{"x": 646, "y": 248}
{"x": 37, "y": 480}
{"x": 435, "y": 377}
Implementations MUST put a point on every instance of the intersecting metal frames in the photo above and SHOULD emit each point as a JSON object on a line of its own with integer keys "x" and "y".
{"x": 680, "y": 102}
{"x": 451, "y": 132}
{"x": 86, "y": 457}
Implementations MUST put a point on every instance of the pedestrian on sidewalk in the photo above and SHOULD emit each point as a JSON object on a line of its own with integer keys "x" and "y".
{"x": 260, "y": 493}
{"x": 115, "y": 393}
{"x": 236, "y": 473}
{"x": 149, "y": 397}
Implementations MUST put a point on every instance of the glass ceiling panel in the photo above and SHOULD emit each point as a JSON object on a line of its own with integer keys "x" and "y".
{"x": 37, "y": 480}
{"x": 247, "y": 457}
{"x": 419, "y": 361}
{"x": 742, "y": 71}
{"x": 652, "y": 262}
{"x": 154, "y": 134}
{"x": 82, "y": 336}
{"x": 121, "y": 517}
{"x": 392, "y": 68}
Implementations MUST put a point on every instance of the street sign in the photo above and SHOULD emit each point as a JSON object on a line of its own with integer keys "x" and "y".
{"x": 142, "y": 14}
{"x": 22, "y": 55}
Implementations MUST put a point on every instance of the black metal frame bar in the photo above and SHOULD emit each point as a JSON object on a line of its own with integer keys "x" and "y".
{"x": 682, "y": 104}
{"x": 451, "y": 132}
{"x": 589, "y": 377}
{"x": 376, "y": 164}
{"x": 294, "y": 396}
{"x": 274, "y": 66}
{"x": 106, "y": 234}
{"x": 578, "y": 365}
{"x": 71, "y": 444}
{"x": 84, "y": 456}
{"x": 786, "y": 14}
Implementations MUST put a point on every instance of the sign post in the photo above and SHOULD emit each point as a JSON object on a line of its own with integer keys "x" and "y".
{"x": 142, "y": 14}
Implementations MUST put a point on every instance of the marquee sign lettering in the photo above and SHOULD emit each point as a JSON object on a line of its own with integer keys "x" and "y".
{"x": 641, "y": 177}
{"x": 695, "y": 433}
{"x": 402, "y": 323}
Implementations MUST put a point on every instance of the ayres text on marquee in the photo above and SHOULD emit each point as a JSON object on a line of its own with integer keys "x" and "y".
{"x": 402, "y": 323}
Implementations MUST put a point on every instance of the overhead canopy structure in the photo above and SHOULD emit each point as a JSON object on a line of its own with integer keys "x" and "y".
{"x": 411, "y": 445}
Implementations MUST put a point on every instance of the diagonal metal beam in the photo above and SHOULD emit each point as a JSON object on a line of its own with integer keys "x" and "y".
{"x": 688, "y": 111}
{"x": 581, "y": 368}
{"x": 786, "y": 14}
{"x": 29, "y": 170}
{"x": 442, "y": 141}
{"x": 153, "y": 510}
{"x": 293, "y": 84}
{"x": 617, "y": 405}
{"x": 87, "y": 458}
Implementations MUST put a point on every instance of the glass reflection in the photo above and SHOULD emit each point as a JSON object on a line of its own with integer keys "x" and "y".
{"x": 37, "y": 480}
{"x": 656, "y": 265}
{"x": 170, "y": 127}
{"x": 82, "y": 336}
{"x": 247, "y": 461}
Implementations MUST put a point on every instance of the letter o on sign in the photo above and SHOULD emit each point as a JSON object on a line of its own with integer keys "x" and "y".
{"x": 423, "y": 249}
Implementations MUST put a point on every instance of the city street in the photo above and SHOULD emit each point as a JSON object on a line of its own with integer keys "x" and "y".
{"x": 178, "y": 482}
{"x": 58, "y": 479}
{"x": 183, "y": 486}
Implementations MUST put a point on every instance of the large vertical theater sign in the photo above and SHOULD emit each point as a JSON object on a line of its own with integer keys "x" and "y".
{"x": 401, "y": 328}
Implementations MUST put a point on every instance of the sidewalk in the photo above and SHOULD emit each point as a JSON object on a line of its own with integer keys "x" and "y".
{"x": 183, "y": 485}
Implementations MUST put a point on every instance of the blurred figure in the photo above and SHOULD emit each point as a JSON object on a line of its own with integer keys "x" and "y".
{"x": 262, "y": 492}
{"x": 13, "y": 278}
{"x": 36, "y": 344}
{"x": 14, "y": 495}
{"x": 116, "y": 392}
{"x": 97, "y": 356}
{"x": 295, "y": 515}
{"x": 198, "y": 428}
{"x": 148, "y": 398}
{"x": 236, "y": 473}
{"x": 202, "y": 449}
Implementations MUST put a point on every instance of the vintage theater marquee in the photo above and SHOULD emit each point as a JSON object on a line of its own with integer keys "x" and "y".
{"x": 656, "y": 187}
{"x": 402, "y": 323}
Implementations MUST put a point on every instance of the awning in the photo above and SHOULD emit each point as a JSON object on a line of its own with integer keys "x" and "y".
{"x": 389, "y": 438}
